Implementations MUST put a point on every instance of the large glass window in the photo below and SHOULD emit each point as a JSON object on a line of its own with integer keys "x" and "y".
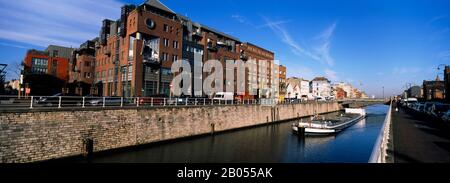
{"x": 165, "y": 71}
{"x": 150, "y": 88}
{"x": 165, "y": 88}
{"x": 39, "y": 65}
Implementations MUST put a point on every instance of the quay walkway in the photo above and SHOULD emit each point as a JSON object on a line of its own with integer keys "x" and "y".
{"x": 418, "y": 138}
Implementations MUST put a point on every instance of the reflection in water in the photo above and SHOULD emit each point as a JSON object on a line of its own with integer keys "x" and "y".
{"x": 266, "y": 144}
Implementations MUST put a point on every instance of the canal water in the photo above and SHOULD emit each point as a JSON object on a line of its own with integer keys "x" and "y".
{"x": 265, "y": 144}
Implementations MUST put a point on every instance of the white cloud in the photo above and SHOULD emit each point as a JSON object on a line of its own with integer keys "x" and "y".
{"x": 61, "y": 22}
{"x": 406, "y": 70}
{"x": 300, "y": 71}
{"x": 320, "y": 52}
{"x": 13, "y": 45}
{"x": 444, "y": 55}
{"x": 435, "y": 19}
{"x": 331, "y": 75}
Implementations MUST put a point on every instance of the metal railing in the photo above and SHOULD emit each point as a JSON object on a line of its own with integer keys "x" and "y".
{"x": 379, "y": 151}
{"x": 57, "y": 102}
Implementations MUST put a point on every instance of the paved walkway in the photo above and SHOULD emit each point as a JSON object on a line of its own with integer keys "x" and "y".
{"x": 419, "y": 138}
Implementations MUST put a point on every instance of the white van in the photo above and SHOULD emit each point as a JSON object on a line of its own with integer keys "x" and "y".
{"x": 224, "y": 96}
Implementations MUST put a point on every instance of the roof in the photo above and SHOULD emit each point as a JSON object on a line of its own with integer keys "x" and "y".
{"x": 159, "y": 5}
{"x": 293, "y": 81}
{"x": 321, "y": 79}
{"x": 248, "y": 43}
{"x": 219, "y": 32}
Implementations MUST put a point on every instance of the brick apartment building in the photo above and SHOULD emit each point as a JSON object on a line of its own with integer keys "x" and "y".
{"x": 82, "y": 69}
{"x": 134, "y": 54}
{"x": 46, "y": 72}
{"x": 282, "y": 82}
{"x": 255, "y": 55}
{"x": 433, "y": 90}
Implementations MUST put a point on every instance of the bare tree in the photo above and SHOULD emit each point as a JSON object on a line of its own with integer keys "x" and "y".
{"x": 15, "y": 69}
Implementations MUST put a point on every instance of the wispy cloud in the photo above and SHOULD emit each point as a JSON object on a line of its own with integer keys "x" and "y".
{"x": 435, "y": 19}
{"x": 300, "y": 71}
{"x": 444, "y": 55}
{"x": 330, "y": 74}
{"x": 406, "y": 70}
{"x": 13, "y": 45}
{"x": 243, "y": 20}
{"x": 319, "y": 52}
{"x": 61, "y": 22}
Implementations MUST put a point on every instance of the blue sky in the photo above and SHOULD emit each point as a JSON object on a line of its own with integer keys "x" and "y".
{"x": 370, "y": 44}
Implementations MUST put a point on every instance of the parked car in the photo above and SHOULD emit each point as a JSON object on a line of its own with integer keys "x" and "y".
{"x": 427, "y": 107}
{"x": 109, "y": 101}
{"x": 155, "y": 99}
{"x": 410, "y": 102}
{"x": 320, "y": 99}
{"x": 66, "y": 99}
{"x": 446, "y": 117}
{"x": 420, "y": 108}
{"x": 437, "y": 110}
{"x": 224, "y": 96}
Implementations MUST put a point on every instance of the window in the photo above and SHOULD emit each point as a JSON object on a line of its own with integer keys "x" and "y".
{"x": 174, "y": 58}
{"x": 166, "y": 28}
{"x": 165, "y": 56}
{"x": 166, "y": 72}
{"x": 175, "y": 44}
{"x": 55, "y": 53}
{"x": 87, "y": 64}
{"x": 39, "y": 65}
{"x": 166, "y": 42}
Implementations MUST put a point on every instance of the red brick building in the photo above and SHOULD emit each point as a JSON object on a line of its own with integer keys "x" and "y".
{"x": 256, "y": 55}
{"x": 38, "y": 62}
{"x": 134, "y": 54}
{"x": 82, "y": 69}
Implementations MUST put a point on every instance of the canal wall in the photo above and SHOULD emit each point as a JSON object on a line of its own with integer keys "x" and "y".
{"x": 30, "y": 136}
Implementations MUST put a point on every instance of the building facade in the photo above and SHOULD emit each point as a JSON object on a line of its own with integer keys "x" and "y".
{"x": 282, "y": 82}
{"x": 433, "y": 90}
{"x": 82, "y": 69}
{"x": 134, "y": 54}
{"x": 320, "y": 87}
{"x": 46, "y": 72}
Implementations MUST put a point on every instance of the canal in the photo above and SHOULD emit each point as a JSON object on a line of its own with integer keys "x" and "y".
{"x": 264, "y": 144}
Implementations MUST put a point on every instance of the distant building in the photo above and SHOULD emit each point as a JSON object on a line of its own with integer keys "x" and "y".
{"x": 46, "y": 72}
{"x": 415, "y": 92}
{"x": 293, "y": 88}
{"x": 434, "y": 90}
{"x": 282, "y": 82}
{"x": 340, "y": 93}
{"x": 304, "y": 88}
{"x": 320, "y": 86}
{"x": 82, "y": 69}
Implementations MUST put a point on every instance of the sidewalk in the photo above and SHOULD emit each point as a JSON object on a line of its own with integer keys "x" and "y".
{"x": 419, "y": 138}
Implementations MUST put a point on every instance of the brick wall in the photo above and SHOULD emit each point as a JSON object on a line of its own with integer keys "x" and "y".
{"x": 40, "y": 135}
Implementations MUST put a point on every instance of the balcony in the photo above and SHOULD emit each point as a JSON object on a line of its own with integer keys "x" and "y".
{"x": 108, "y": 52}
{"x": 197, "y": 34}
{"x": 244, "y": 56}
{"x": 212, "y": 47}
{"x": 152, "y": 62}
